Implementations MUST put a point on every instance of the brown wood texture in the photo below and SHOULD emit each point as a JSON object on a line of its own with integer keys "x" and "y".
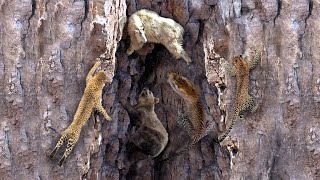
{"x": 48, "y": 47}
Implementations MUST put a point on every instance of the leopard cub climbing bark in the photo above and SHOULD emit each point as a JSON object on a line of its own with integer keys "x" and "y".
{"x": 90, "y": 99}
{"x": 194, "y": 120}
{"x": 241, "y": 68}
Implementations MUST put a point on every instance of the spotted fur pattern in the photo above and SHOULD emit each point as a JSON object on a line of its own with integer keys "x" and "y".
{"x": 244, "y": 102}
{"x": 183, "y": 120}
{"x": 195, "y": 123}
{"x": 90, "y": 99}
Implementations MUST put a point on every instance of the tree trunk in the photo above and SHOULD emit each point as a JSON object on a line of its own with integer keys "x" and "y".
{"x": 48, "y": 47}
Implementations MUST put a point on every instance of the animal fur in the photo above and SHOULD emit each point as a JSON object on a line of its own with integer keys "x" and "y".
{"x": 147, "y": 26}
{"x": 196, "y": 126}
{"x": 151, "y": 137}
{"x": 90, "y": 99}
{"x": 241, "y": 68}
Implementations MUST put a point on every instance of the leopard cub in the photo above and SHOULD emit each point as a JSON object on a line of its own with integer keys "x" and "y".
{"x": 90, "y": 99}
{"x": 241, "y": 67}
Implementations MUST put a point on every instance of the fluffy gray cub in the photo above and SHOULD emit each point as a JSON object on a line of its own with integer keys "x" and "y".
{"x": 147, "y": 26}
{"x": 150, "y": 137}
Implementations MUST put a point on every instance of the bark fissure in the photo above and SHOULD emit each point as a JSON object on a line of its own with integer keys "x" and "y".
{"x": 86, "y": 12}
{"x": 308, "y": 16}
{"x": 279, "y": 6}
{"x": 33, "y": 11}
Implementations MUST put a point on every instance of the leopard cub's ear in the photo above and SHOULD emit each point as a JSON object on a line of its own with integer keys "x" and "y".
{"x": 156, "y": 100}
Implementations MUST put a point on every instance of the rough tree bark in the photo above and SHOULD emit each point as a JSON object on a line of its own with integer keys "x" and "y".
{"x": 48, "y": 46}
{"x": 281, "y": 140}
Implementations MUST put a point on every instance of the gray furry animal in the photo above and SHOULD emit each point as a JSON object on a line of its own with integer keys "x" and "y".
{"x": 150, "y": 137}
{"x": 147, "y": 26}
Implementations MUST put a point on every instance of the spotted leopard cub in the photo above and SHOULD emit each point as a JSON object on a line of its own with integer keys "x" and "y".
{"x": 193, "y": 121}
{"x": 90, "y": 99}
{"x": 241, "y": 67}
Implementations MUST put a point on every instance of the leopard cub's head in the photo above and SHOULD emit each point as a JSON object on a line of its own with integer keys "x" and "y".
{"x": 238, "y": 60}
{"x": 182, "y": 86}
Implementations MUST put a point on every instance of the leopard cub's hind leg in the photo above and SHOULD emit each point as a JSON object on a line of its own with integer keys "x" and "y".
{"x": 254, "y": 107}
{"x": 230, "y": 69}
{"x": 71, "y": 142}
{"x": 249, "y": 105}
{"x": 59, "y": 144}
{"x": 184, "y": 121}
